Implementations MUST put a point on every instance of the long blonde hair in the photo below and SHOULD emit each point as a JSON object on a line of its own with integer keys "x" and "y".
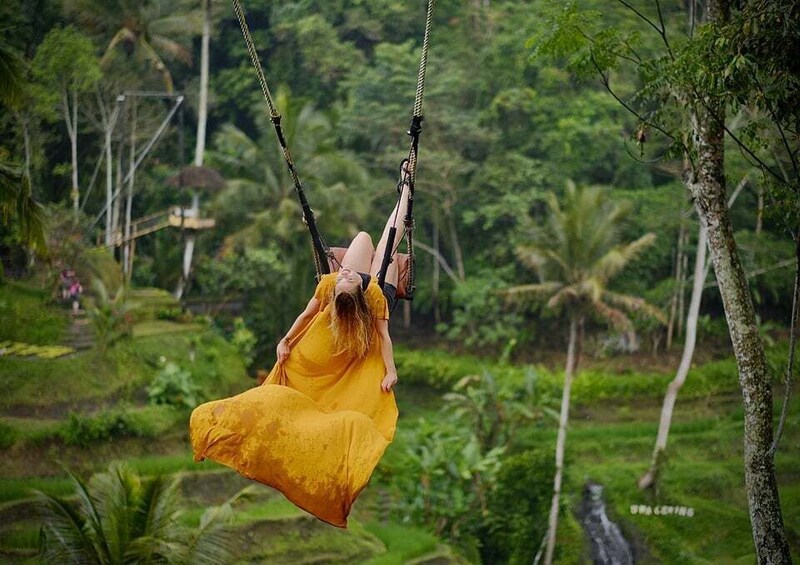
{"x": 351, "y": 323}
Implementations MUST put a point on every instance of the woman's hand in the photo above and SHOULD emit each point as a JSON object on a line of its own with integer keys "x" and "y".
{"x": 389, "y": 381}
{"x": 283, "y": 350}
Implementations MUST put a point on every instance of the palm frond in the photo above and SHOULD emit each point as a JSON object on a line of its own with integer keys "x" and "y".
{"x": 156, "y": 60}
{"x": 63, "y": 538}
{"x": 117, "y": 494}
{"x": 618, "y": 258}
{"x": 12, "y": 77}
{"x": 123, "y": 35}
{"x": 92, "y": 519}
{"x": 214, "y": 540}
{"x": 614, "y": 316}
{"x": 531, "y": 257}
{"x": 185, "y": 24}
{"x": 161, "y": 505}
{"x": 634, "y": 304}
{"x": 16, "y": 201}
{"x": 172, "y": 48}
{"x": 567, "y": 293}
{"x": 532, "y": 290}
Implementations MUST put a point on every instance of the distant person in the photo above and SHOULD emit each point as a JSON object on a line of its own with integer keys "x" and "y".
{"x": 75, "y": 291}
{"x": 322, "y": 419}
{"x": 66, "y": 281}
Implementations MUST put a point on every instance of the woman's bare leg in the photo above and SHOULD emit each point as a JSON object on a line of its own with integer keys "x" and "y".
{"x": 359, "y": 255}
{"x": 395, "y": 220}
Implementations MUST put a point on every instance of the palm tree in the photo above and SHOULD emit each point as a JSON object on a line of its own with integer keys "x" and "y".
{"x": 12, "y": 76}
{"x": 18, "y": 205}
{"x": 576, "y": 252}
{"x": 150, "y": 29}
{"x": 119, "y": 518}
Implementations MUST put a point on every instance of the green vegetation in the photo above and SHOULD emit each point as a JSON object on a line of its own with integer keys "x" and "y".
{"x": 122, "y": 369}
{"x": 27, "y": 318}
{"x": 17, "y": 349}
{"x": 119, "y": 517}
{"x": 506, "y": 156}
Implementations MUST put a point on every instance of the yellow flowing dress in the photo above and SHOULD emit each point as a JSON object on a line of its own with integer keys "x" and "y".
{"x": 317, "y": 427}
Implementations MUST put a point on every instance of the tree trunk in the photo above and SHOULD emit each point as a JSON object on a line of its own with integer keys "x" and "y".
{"x": 769, "y": 533}
{"x": 115, "y": 204}
{"x": 457, "y": 254}
{"x": 26, "y": 140}
{"x": 109, "y": 181}
{"x": 649, "y": 479}
{"x": 673, "y": 310}
{"x": 70, "y": 110}
{"x": 200, "y": 146}
{"x": 760, "y": 213}
{"x": 202, "y": 109}
{"x": 682, "y": 287}
{"x": 127, "y": 259}
{"x": 573, "y": 353}
{"x": 436, "y": 275}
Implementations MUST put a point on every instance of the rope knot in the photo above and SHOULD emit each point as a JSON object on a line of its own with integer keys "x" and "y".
{"x": 416, "y": 126}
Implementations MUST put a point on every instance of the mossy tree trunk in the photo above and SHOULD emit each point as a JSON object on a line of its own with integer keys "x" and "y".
{"x": 708, "y": 193}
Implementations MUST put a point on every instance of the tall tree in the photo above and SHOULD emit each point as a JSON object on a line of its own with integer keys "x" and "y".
{"x": 651, "y": 476}
{"x": 200, "y": 147}
{"x": 65, "y": 67}
{"x": 576, "y": 253}
{"x": 18, "y": 205}
{"x": 150, "y": 30}
{"x": 709, "y": 194}
{"x": 691, "y": 81}
{"x": 12, "y": 76}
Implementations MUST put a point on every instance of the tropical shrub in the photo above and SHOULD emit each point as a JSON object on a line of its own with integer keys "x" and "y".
{"x": 111, "y": 318}
{"x": 516, "y": 520}
{"x": 119, "y": 517}
{"x": 480, "y": 315}
{"x": 437, "y": 369}
{"x": 243, "y": 340}
{"x": 8, "y": 436}
{"x": 174, "y": 386}
{"x": 83, "y": 430}
{"x": 448, "y": 469}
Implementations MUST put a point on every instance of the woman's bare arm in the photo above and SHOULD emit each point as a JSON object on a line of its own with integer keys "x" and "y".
{"x": 387, "y": 352}
{"x": 283, "y": 345}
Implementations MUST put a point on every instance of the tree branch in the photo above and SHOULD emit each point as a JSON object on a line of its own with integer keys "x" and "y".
{"x": 593, "y": 41}
{"x": 660, "y": 30}
{"x": 625, "y": 105}
{"x": 789, "y": 382}
{"x": 775, "y": 267}
{"x": 778, "y": 125}
{"x": 663, "y": 30}
{"x": 440, "y": 259}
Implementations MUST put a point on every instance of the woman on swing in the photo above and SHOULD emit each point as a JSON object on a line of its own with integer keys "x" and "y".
{"x": 319, "y": 424}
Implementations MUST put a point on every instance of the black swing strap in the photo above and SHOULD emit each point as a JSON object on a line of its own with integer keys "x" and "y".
{"x": 320, "y": 249}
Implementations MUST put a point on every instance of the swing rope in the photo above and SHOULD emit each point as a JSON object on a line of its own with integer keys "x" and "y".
{"x": 414, "y": 131}
{"x": 321, "y": 251}
{"x": 318, "y": 245}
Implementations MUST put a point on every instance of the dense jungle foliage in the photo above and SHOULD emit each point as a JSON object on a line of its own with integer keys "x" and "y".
{"x": 558, "y": 158}
{"x": 503, "y": 126}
